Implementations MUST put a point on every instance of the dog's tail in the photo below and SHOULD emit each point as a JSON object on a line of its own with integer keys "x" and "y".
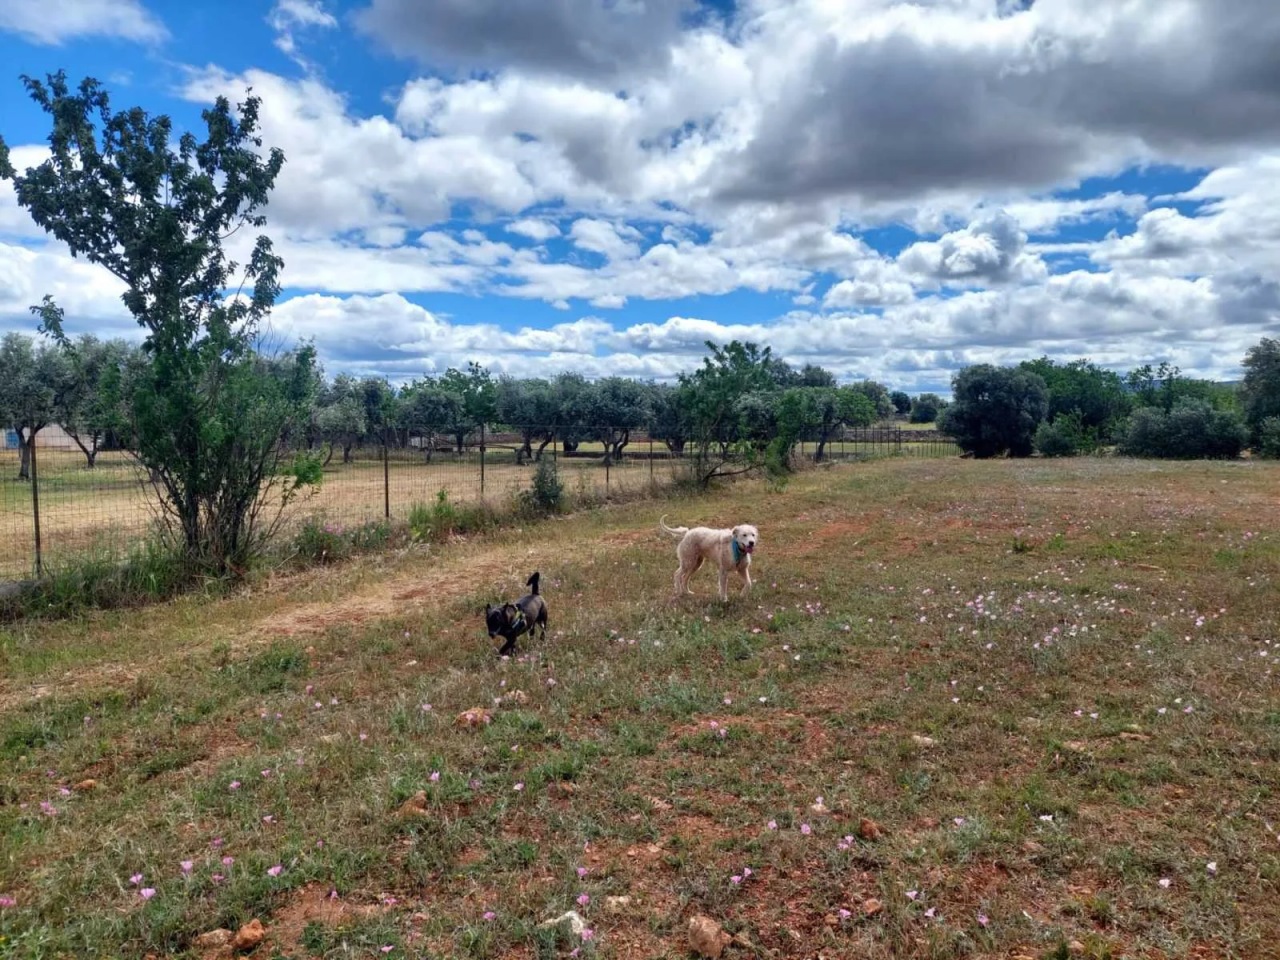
{"x": 532, "y": 582}
{"x": 676, "y": 532}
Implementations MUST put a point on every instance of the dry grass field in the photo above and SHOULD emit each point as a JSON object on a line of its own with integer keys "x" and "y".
{"x": 973, "y": 709}
{"x": 111, "y": 509}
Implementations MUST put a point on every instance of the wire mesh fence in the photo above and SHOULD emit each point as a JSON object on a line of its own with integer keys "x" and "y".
{"x": 67, "y": 511}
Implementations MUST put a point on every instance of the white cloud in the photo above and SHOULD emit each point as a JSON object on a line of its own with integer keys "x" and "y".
{"x": 989, "y": 250}
{"x": 534, "y": 228}
{"x": 39, "y": 21}
{"x": 288, "y": 17}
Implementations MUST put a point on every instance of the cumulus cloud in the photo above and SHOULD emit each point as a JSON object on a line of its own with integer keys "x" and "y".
{"x": 990, "y": 250}
{"x": 594, "y": 38}
{"x": 55, "y": 23}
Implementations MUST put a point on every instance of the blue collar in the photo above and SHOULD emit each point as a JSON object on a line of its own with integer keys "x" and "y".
{"x": 737, "y": 552}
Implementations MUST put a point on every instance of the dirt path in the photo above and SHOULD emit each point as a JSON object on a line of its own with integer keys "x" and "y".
{"x": 363, "y": 592}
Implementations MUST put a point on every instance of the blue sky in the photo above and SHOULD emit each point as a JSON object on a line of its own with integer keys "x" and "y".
{"x": 890, "y": 190}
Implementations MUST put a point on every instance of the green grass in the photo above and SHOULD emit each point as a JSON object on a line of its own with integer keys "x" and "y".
{"x": 992, "y": 608}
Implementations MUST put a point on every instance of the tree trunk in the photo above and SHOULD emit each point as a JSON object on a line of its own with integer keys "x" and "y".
{"x": 822, "y": 446}
{"x": 24, "y": 455}
{"x": 328, "y": 457}
{"x": 346, "y": 451}
{"x": 542, "y": 446}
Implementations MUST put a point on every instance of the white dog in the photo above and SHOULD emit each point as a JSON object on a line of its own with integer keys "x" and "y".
{"x": 729, "y": 549}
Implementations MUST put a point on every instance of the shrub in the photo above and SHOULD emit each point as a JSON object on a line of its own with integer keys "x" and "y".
{"x": 1269, "y": 439}
{"x": 1192, "y": 430}
{"x": 547, "y": 493}
{"x": 1057, "y": 439}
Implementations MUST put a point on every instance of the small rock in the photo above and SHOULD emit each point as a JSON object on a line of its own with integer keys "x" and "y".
{"x": 921, "y": 741}
{"x": 310, "y": 649}
{"x": 475, "y": 717}
{"x": 84, "y": 785}
{"x": 415, "y": 806}
{"x": 1132, "y": 735}
{"x": 868, "y": 829}
{"x": 819, "y": 808}
{"x": 871, "y": 907}
{"x": 214, "y": 939}
{"x": 570, "y": 921}
{"x": 616, "y": 904}
{"x": 1075, "y": 947}
{"x": 249, "y": 936}
{"x": 1076, "y": 746}
{"x": 706, "y": 937}
{"x": 1032, "y": 846}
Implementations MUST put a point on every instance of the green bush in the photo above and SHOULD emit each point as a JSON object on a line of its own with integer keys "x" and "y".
{"x": 1268, "y": 445}
{"x": 1192, "y": 430}
{"x": 1057, "y": 439}
{"x": 547, "y": 493}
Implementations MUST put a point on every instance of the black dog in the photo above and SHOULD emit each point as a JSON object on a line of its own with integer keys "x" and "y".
{"x": 510, "y": 620}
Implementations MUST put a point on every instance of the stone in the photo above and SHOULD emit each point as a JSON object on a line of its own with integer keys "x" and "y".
{"x": 616, "y": 904}
{"x": 868, "y": 829}
{"x": 706, "y": 937}
{"x": 415, "y": 806}
{"x": 214, "y": 939}
{"x": 249, "y": 936}
{"x": 922, "y": 741}
{"x": 85, "y": 785}
{"x": 871, "y": 907}
{"x": 569, "y": 922}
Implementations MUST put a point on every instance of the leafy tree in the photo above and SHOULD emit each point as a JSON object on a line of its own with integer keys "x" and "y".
{"x": 208, "y": 414}
{"x": 1165, "y": 386}
{"x": 92, "y": 408}
{"x": 812, "y": 375}
{"x": 616, "y": 406}
{"x": 1260, "y": 389}
{"x": 381, "y": 408}
{"x": 669, "y": 418}
{"x": 530, "y": 407}
{"x": 340, "y": 417}
{"x": 571, "y": 395}
{"x": 1097, "y": 398}
{"x": 713, "y": 392}
{"x": 757, "y": 414}
{"x": 901, "y": 402}
{"x": 477, "y": 399}
{"x": 33, "y": 380}
{"x": 996, "y": 410}
{"x": 926, "y": 408}
{"x": 818, "y": 414}
{"x": 427, "y": 408}
{"x": 878, "y": 394}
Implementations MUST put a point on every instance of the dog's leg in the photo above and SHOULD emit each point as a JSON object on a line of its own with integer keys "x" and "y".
{"x": 746, "y": 578}
{"x": 724, "y": 585}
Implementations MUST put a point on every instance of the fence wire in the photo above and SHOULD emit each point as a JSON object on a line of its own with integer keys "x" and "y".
{"x": 68, "y": 512}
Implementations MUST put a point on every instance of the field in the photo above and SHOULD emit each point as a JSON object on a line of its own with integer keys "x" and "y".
{"x": 972, "y": 709}
{"x": 110, "y": 509}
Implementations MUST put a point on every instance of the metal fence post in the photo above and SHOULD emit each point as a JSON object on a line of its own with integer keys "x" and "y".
{"x": 606, "y": 469}
{"x": 35, "y": 505}
{"x": 482, "y": 461}
{"x": 386, "y": 479}
{"x": 651, "y": 460}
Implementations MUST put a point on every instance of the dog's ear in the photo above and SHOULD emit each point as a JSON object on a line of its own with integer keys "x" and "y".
{"x": 734, "y": 532}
